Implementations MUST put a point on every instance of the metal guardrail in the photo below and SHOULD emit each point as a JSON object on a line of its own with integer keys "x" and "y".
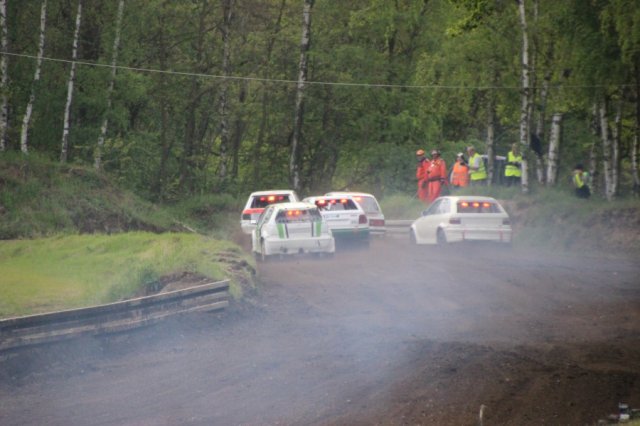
{"x": 398, "y": 226}
{"x": 112, "y": 317}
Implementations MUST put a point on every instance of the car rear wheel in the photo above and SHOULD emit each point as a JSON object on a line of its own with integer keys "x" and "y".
{"x": 441, "y": 238}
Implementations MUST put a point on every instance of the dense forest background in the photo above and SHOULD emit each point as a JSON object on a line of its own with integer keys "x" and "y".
{"x": 178, "y": 98}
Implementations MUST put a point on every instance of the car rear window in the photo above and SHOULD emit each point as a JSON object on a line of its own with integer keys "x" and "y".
{"x": 336, "y": 204}
{"x": 298, "y": 215}
{"x": 368, "y": 204}
{"x": 478, "y": 207}
{"x": 262, "y": 201}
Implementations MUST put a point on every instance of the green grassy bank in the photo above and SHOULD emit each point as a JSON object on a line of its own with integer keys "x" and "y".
{"x": 47, "y": 274}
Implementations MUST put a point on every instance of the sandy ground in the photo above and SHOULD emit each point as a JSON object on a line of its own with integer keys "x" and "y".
{"x": 390, "y": 335}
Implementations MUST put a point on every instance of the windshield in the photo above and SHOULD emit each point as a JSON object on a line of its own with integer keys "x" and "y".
{"x": 262, "y": 201}
{"x": 336, "y": 204}
{"x": 298, "y": 215}
{"x": 369, "y": 205}
{"x": 478, "y": 207}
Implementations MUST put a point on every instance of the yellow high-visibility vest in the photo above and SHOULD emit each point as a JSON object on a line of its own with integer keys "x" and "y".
{"x": 511, "y": 169}
{"x": 479, "y": 174}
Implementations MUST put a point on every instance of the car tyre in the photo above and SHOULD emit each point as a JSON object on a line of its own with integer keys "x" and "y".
{"x": 263, "y": 255}
{"x": 441, "y": 238}
{"x": 412, "y": 237}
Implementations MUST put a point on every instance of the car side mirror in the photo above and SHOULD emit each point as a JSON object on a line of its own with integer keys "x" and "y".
{"x": 425, "y": 212}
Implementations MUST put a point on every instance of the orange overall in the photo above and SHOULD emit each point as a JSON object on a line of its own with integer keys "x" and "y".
{"x": 460, "y": 175}
{"x": 421, "y": 176}
{"x": 436, "y": 176}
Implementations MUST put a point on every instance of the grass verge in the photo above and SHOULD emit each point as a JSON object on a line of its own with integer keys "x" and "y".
{"x": 64, "y": 272}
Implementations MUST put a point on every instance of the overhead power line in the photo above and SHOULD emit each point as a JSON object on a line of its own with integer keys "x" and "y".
{"x": 308, "y": 82}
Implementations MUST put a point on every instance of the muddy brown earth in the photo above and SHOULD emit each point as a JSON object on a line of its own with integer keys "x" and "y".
{"x": 390, "y": 335}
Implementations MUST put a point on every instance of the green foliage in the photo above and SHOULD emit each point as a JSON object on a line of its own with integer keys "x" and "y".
{"x": 40, "y": 198}
{"x": 165, "y": 120}
{"x": 401, "y": 206}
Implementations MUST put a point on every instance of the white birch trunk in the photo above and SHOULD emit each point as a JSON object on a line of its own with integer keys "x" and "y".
{"x": 294, "y": 166}
{"x": 615, "y": 147}
{"x": 636, "y": 139}
{"x": 634, "y": 161}
{"x": 224, "y": 92}
{"x": 605, "y": 139}
{"x": 524, "y": 110}
{"x": 26, "y": 120}
{"x": 4, "y": 76}
{"x": 491, "y": 141}
{"x": 72, "y": 79}
{"x": 114, "y": 61}
{"x": 554, "y": 148}
{"x": 593, "y": 150}
{"x": 540, "y": 128}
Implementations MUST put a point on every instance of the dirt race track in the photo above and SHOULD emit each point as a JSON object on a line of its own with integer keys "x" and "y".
{"x": 390, "y": 335}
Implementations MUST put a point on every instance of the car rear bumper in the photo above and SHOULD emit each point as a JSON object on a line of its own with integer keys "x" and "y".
{"x": 247, "y": 227}
{"x": 479, "y": 234}
{"x": 351, "y": 234}
{"x": 323, "y": 244}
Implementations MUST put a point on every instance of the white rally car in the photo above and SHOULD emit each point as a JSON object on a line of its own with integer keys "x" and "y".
{"x": 346, "y": 219}
{"x": 462, "y": 218}
{"x": 371, "y": 208}
{"x": 291, "y": 228}
{"x": 258, "y": 201}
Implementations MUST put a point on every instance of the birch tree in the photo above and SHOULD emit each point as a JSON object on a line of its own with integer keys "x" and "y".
{"x": 607, "y": 148}
{"x": 72, "y": 78}
{"x": 26, "y": 120}
{"x": 554, "y": 149}
{"x": 636, "y": 135}
{"x": 227, "y": 9}
{"x": 525, "y": 96}
{"x": 491, "y": 139}
{"x": 114, "y": 61}
{"x": 4, "y": 110}
{"x": 294, "y": 159}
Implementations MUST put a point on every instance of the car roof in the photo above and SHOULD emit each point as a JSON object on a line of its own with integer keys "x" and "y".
{"x": 272, "y": 191}
{"x": 333, "y": 195}
{"x": 470, "y": 198}
{"x": 293, "y": 205}
{"x": 349, "y": 193}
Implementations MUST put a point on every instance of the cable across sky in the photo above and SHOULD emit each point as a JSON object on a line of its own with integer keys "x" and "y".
{"x": 285, "y": 81}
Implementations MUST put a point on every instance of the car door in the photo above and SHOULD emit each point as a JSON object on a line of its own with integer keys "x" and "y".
{"x": 257, "y": 232}
{"x": 432, "y": 218}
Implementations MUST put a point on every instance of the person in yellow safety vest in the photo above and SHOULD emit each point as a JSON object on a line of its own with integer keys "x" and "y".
{"x": 477, "y": 171}
{"x": 581, "y": 182}
{"x": 512, "y": 171}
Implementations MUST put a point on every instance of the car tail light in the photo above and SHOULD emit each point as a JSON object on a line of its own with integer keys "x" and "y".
{"x": 362, "y": 219}
{"x": 506, "y": 221}
{"x": 376, "y": 222}
{"x": 455, "y": 221}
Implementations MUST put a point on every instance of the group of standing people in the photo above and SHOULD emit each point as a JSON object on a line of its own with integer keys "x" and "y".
{"x": 431, "y": 173}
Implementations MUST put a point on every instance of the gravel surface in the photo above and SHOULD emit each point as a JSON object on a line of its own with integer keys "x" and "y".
{"x": 390, "y": 335}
